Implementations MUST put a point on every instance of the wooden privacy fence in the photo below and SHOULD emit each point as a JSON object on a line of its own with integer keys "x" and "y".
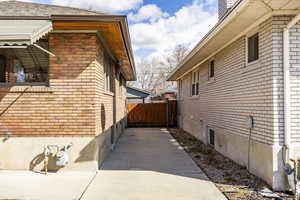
{"x": 153, "y": 114}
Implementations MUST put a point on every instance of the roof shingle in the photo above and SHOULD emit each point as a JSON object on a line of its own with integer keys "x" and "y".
{"x": 19, "y": 8}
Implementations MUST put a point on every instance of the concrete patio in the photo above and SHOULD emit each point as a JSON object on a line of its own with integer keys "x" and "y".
{"x": 146, "y": 164}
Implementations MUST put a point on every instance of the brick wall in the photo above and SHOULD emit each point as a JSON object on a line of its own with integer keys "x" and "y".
{"x": 236, "y": 92}
{"x": 74, "y": 103}
{"x": 279, "y": 22}
{"x": 121, "y": 109}
{"x": 107, "y": 102}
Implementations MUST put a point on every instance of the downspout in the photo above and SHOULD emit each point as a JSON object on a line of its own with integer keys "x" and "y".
{"x": 286, "y": 71}
{"x": 291, "y": 173}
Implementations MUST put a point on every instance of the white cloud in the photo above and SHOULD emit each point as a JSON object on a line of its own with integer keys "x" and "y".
{"x": 101, "y": 5}
{"x": 187, "y": 26}
{"x": 148, "y": 12}
{"x": 31, "y": 1}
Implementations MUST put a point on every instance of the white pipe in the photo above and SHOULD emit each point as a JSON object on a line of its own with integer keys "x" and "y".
{"x": 287, "y": 114}
{"x": 287, "y": 93}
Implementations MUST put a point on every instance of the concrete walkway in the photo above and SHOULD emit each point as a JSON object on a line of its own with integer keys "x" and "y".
{"x": 149, "y": 164}
{"x": 26, "y": 185}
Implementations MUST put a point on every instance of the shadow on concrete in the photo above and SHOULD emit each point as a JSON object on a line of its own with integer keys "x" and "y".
{"x": 152, "y": 149}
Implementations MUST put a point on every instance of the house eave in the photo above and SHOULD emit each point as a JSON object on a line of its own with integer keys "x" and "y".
{"x": 123, "y": 24}
{"x": 244, "y": 15}
{"x": 121, "y": 20}
{"x": 139, "y": 90}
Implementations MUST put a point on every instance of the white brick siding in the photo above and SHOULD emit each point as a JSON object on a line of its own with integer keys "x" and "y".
{"x": 279, "y": 22}
{"x": 239, "y": 90}
{"x": 257, "y": 89}
{"x": 236, "y": 92}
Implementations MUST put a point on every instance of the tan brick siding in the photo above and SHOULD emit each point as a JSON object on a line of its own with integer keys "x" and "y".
{"x": 105, "y": 100}
{"x": 237, "y": 91}
{"x": 73, "y": 104}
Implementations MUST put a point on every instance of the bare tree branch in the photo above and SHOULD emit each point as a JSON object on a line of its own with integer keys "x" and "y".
{"x": 152, "y": 75}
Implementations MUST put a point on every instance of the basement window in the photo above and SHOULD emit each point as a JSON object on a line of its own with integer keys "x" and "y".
{"x": 195, "y": 83}
{"x": 253, "y": 48}
{"x": 211, "y": 136}
{"x": 25, "y": 65}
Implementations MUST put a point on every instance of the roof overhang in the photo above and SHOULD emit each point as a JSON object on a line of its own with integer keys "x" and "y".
{"x": 114, "y": 30}
{"x": 26, "y": 30}
{"x": 23, "y": 32}
{"x": 138, "y": 90}
{"x": 244, "y": 16}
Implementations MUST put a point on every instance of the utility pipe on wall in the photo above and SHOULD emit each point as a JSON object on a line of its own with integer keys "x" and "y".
{"x": 287, "y": 93}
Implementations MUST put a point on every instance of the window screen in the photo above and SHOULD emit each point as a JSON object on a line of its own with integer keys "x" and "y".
{"x": 195, "y": 83}
{"x": 253, "y": 43}
{"x": 108, "y": 65}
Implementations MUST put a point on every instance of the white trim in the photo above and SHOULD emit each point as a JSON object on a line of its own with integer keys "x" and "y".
{"x": 41, "y": 48}
{"x": 197, "y": 72}
{"x": 13, "y": 47}
{"x": 209, "y": 69}
{"x": 248, "y": 35}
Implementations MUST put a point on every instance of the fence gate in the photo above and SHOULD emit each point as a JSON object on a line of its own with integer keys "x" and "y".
{"x": 153, "y": 114}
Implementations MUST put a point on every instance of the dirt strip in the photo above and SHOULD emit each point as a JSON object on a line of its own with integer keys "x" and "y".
{"x": 232, "y": 179}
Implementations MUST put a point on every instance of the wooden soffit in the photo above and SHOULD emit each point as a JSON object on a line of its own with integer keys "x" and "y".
{"x": 115, "y": 38}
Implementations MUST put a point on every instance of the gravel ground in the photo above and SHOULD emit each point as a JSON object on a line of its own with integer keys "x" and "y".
{"x": 233, "y": 180}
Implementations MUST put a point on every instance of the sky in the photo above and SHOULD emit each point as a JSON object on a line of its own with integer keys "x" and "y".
{"x": 156, "y": 26}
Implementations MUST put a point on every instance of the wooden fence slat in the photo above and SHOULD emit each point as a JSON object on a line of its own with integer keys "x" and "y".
{"x": 152, "y": 114}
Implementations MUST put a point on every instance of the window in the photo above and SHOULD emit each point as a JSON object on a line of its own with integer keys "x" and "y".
{"x": 2, "y": 69}
{"x": 211, "y": 135}
{"x": 121, "y": 84}
{"x": 180, "y": 88}
{"x": 211, "y": 71}
{"x": 195, "y": 83}
{"x": 108, "y": 66}
{"x": 253, "y": 49}
{"x": 24, "y": 66}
